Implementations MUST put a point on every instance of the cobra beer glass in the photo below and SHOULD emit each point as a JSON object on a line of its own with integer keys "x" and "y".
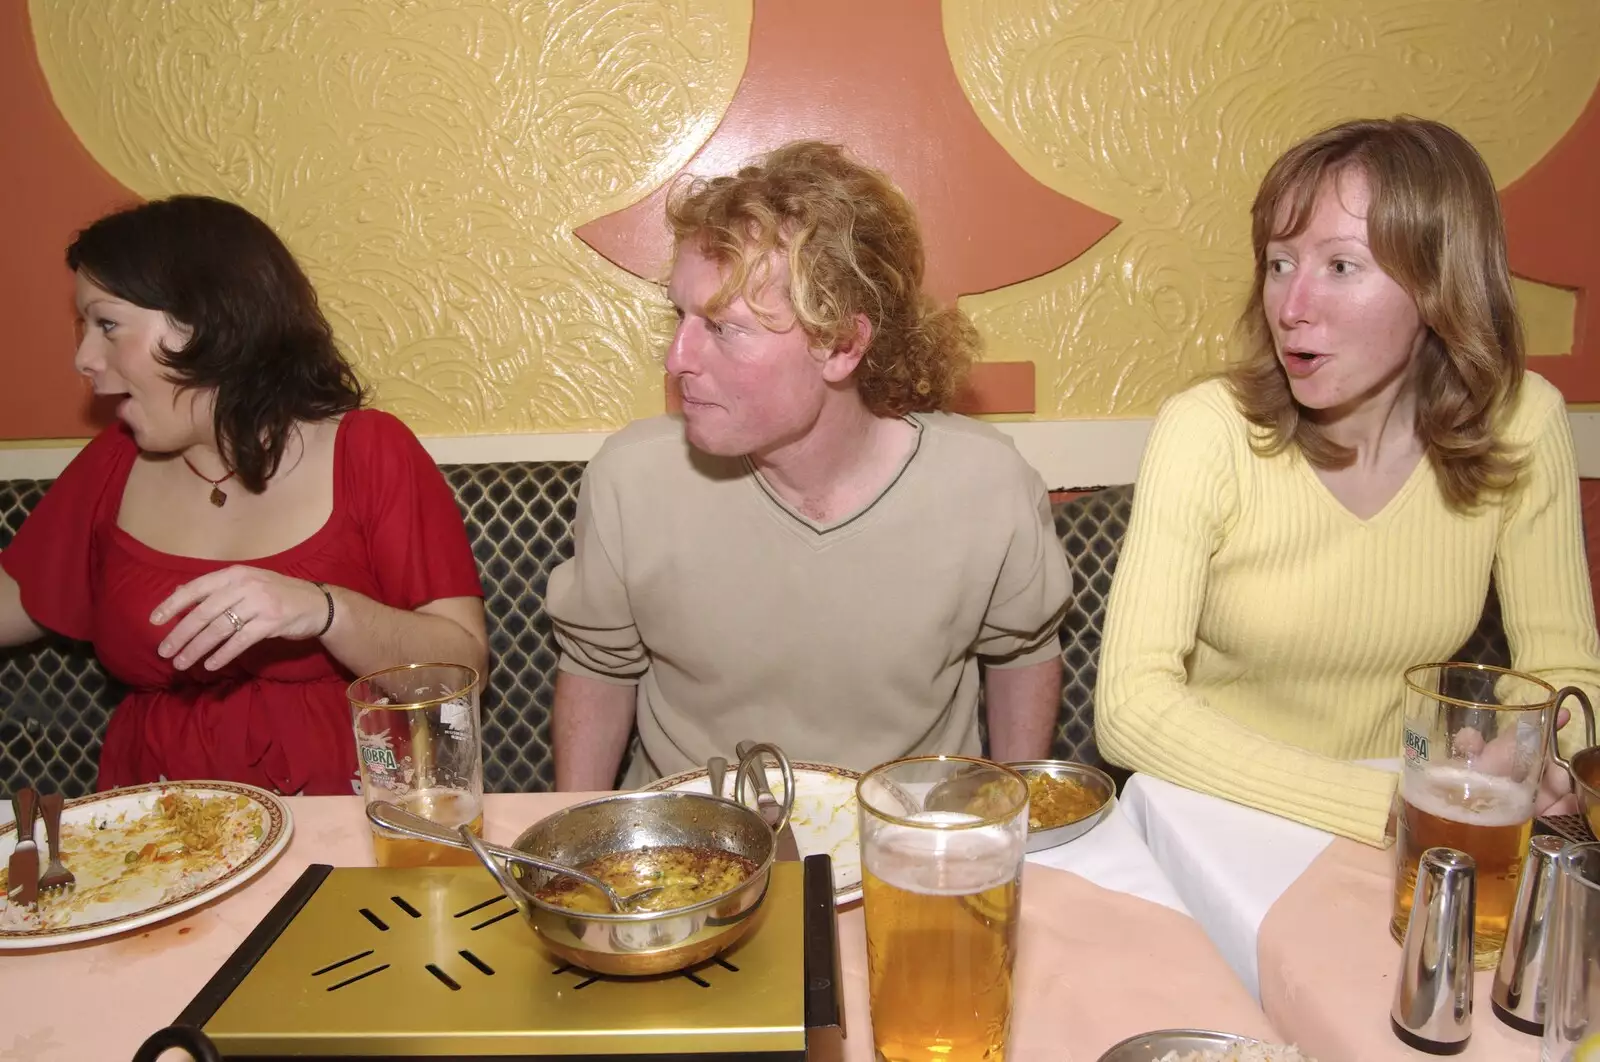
{"x": 1473, "y": 754}
{"x": 418, "y": 744}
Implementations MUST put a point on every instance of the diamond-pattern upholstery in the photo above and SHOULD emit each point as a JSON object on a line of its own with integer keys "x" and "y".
{"x": 55, "y": 699}
{"x": 519, "y": 519}
{"x": 54, "y": 696}
{"x": 1090, "y": 527}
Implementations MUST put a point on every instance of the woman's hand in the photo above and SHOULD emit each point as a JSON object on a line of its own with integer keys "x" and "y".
{"x": 230, "y": 610}
{"x": 1497, "y": 757}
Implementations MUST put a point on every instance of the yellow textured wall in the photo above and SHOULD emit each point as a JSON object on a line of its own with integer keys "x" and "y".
{"x": 429, "y": 163}
{"x": 1166, "y": 114}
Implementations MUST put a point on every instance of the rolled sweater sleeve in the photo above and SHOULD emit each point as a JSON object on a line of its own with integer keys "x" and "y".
{"x": 1146, "y": 717}
{"x": 587, "y": 597}
{"x": 1541, "y": 571}
{"x": 1034, "y": 586}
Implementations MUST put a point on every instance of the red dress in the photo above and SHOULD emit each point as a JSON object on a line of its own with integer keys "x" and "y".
{"x": 276, "y": 717}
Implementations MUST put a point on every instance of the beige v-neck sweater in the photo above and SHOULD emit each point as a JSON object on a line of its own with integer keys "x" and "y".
{"x": 1257, "y": 630}
{"x": 852, "y": 644}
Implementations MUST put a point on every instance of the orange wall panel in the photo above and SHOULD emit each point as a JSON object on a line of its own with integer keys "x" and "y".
{"x": 1591, "y": 532}
{"x": 1553, "y": 227}
{"x": 49, "y": 188}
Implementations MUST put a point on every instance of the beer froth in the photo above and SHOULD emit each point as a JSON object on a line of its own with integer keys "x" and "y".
{"x": 1470, "y": 798}
{"x": 951, "y": 862}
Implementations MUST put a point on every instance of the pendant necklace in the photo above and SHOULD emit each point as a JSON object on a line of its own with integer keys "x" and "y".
{"x": 218, "y": 498}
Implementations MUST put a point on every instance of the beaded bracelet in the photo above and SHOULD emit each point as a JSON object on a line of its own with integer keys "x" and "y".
{"x": 329, "y": 595}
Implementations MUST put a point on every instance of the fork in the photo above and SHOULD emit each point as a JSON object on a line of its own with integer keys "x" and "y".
{"x": 56, "y": 876}
{"x": 22, "y": 869}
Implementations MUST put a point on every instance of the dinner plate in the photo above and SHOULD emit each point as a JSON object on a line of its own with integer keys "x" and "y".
{"x": 823, "y": 820}
{"x": 114, "y": 895}
{"x": 1148, "y": 1047}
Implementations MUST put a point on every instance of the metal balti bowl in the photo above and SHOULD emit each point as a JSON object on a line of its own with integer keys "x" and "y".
{"x": 648, "y": 942}
{"x": 1093, "y": 779}
{"x": 1585, "y": 771}
{"x": 1148, "y": 1047}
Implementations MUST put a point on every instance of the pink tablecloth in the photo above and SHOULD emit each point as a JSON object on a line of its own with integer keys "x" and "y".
{"x": 1095, "y": 966}
{"x": 98, "y": 1001}
{"x": 1328, "y": 967}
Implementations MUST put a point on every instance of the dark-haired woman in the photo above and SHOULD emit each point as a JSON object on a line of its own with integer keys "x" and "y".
{"x": 1331, "y": 513}
{"x": 245, "y": 537}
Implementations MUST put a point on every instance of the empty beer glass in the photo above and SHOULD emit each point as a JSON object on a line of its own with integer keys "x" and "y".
{"x": 1473, "y": 754}
{"x": 418, "y": 745}
{"x": 942, "y": 846}
{"x": 1572, "y": 991}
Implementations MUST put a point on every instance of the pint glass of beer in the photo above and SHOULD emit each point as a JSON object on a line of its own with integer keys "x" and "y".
{"x": 942, "y": 845}
{"x": 418, "y": 745}
{"x": 1473, "y": 754}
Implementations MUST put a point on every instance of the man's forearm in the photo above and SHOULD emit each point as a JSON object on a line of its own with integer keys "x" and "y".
{"x": 1022, "y": 703}
{"x": 589, "y": 730}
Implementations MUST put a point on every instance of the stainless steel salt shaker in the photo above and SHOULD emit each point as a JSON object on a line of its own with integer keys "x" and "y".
{"x": 1518, "y": 994}
{"x": 1432, "y": 1009}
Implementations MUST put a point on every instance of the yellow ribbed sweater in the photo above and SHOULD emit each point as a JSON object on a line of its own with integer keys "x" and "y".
{"x": 1257, "y": 629}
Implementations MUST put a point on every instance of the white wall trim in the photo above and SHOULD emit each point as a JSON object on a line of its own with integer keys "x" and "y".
{"x": 1067, "y": 453}
{"x": 1586, "y": 442}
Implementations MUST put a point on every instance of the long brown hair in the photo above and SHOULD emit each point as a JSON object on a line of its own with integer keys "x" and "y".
{"x": 1433, "y": 223}
{"x": 852, "y": 245}
{"x": 260, "y": 340}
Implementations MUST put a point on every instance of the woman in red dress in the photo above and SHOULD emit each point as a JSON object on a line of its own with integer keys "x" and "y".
{"x": 245, "y": 538}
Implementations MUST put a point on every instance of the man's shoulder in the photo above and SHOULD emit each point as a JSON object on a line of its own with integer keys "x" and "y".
{"x": 652, "y": 442}
{"x": 971, "y": 441}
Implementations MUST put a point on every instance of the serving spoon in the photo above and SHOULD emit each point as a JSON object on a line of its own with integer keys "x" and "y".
{"x": 396, "y": 819}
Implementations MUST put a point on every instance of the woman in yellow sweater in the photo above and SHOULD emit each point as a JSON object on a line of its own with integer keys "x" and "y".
{"x": 1332, "y": 510}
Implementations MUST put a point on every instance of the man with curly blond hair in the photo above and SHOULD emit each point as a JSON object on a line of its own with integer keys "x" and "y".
{"x": 814, "y": 553}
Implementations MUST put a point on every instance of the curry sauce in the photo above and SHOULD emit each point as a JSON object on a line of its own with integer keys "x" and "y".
{"x": 688, "y": 875}
{"x": 1055, "y": 801}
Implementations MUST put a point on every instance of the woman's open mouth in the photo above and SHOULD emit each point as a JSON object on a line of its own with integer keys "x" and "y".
{"x": 1302, "y": 363}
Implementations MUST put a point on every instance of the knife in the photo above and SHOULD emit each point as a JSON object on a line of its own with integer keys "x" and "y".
{"x": 22, "y": 872}
{"x": 769, "y": 806}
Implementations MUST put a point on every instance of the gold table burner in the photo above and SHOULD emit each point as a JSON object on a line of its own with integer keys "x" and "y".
{"x": 435, "y": 962}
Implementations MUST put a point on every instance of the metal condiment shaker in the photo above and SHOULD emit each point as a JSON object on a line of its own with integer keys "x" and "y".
{"x": 1518, "y": 995}
{"x": 1433, "y": 997}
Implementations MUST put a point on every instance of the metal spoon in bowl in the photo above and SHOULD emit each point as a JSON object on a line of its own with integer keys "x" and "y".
{"x": 716, "y": 770}
{"x": 396, "y": 819}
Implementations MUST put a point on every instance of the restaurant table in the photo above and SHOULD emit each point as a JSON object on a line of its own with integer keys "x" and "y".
{"x": 1096, "y": 963}
{"x": 1228, "y": 863}
{"x": 1302, "y": 917}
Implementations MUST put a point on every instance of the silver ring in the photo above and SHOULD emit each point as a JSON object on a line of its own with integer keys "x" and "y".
{"x": 238, "y": 624}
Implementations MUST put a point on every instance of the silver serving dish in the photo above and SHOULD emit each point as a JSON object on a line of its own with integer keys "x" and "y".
{"x": 1091, "y": 778}
{"x": 639, "y": 944}
{"x": 1147, "y": 1047}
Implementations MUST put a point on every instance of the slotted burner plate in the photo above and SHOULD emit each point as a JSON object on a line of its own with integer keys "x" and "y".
{"x": 434, "y": 962}
{"x": 1574, "y": 828}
